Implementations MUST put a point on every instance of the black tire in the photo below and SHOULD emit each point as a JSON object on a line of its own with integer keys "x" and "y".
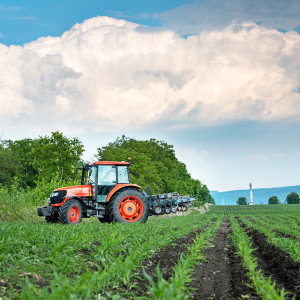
{"x": 174, "y": 209}
{"x": 53, "y": 218}
{"x": 129, "y": 206}
{"x": 168, "y": 210}
{"x": 157, "y": 209}
{"x": 105, "y": 219}
{"x": 70, "y": 212}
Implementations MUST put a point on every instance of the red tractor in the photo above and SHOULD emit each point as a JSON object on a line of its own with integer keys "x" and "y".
{"x": 108, "y": 195}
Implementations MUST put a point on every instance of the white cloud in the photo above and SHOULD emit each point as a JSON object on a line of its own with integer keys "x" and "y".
{"x": 217, "y": 14}
{"x": 107, "y": 74}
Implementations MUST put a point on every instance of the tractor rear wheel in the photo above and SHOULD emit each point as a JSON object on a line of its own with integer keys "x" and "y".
{"x": 70, "y": 212}
{"x": 128, "y": 206}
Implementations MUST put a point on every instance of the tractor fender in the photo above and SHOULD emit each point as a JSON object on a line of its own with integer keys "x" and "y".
{"x": 119, "y": 187}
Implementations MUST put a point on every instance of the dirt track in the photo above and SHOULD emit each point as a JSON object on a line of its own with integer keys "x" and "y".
{"x": 222, "y": 276}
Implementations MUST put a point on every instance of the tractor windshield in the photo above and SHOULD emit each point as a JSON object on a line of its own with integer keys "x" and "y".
{"x": 107, "y": 175}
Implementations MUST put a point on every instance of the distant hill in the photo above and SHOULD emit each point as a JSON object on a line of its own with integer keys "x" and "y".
{"x": 260, "y": 196}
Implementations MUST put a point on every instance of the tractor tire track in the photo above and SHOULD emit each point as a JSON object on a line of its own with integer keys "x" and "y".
{"x": 222, "y": 276}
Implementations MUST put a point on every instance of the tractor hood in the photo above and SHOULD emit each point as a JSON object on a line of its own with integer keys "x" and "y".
{"x": 77, "y": 190}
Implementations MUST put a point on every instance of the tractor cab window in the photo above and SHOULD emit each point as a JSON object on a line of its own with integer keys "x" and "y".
{"x": 123, "y": 174}
{"x": 107, "y": 179}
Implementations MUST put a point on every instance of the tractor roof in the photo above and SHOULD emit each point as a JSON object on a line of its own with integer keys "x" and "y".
{"x": 122, "y": 163}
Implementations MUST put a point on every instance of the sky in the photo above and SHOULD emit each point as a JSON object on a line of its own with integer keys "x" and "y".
{"x": 219, "y": 80}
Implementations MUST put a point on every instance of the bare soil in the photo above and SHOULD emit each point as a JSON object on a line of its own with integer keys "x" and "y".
{"x": 275, "y": 263}
{"x": 222, "y": 276}
{"x": 166, "y": 259}
{"x": 281, "y": 234}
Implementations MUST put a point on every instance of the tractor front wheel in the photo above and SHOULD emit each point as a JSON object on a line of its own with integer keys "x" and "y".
{"x": 70, "y": 212}
{"x": 129, "y": 206}
{"x": 53, "y": 218}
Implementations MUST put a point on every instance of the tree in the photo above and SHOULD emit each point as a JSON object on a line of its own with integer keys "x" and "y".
{"x": 211, "y": 200}
{"x": 22, "y": 151}
{"x": 292, "y": 198}
{"x": 242, "y": 201}
{"x": 273, "y": 200}
{"x": 8, "y": 164}
{"x": 56, "y": 157}
{"x": 154, "y": 164}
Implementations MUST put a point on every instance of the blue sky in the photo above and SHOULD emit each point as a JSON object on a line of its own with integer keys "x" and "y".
{"x": 22, "y": 22}
{"x": 219, "y": 80}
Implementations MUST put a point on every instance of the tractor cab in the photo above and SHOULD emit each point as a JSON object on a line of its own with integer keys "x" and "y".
{"x": 105, "y": 176}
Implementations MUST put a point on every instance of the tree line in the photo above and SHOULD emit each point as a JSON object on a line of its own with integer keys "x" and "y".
{"x": 292, "y": 198}
{"x": 54, "y": 158}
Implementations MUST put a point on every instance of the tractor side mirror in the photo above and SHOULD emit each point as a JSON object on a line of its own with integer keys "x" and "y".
{"x": 86, "y": 167}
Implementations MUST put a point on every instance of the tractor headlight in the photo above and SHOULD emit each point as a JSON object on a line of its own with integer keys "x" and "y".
{"x": 54, "y": 194}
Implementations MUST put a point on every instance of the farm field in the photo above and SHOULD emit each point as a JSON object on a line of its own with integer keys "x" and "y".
{"x": 231, "y": 252}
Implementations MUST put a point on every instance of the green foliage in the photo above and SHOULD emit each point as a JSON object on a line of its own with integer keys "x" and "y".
{"x": 56, "y": 156}
{"x": 211, "y": 200}
{"x": 263, "y": 286}
{"x": 242, "y": 201}
{"x": 44, "y": 159}
{"x": 176, "y": 287}
{"x": 154, "y": 164}
{"x": 86, "y": 262}
{"x": 22, "y": 152}
{"x": 8, "y": 164}
{"x": 273, "y": 200}
{"x": 292, "y": 198}
{"x": 31, "y": 168}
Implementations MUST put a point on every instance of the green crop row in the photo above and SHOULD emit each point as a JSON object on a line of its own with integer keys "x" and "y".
{"x": 291, "y": 247}
{"x": 263, "y": 286}
{"x": 177, "y": 286}
{"x": 236, "y": 210}
{"x": 39, "y": 260}
{"x": 286, "y": 226}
